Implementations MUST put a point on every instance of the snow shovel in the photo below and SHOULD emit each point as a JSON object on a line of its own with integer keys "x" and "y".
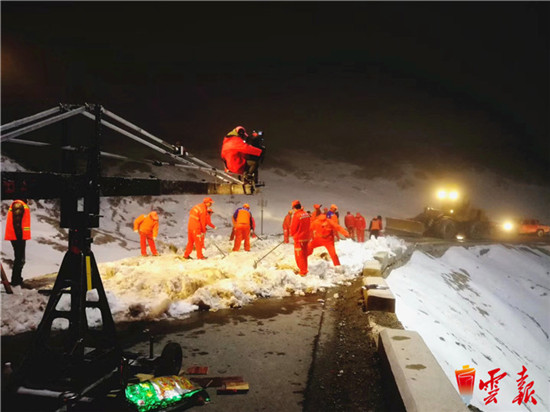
{"x": 258, "y": 261}
{"x": 217, "y": 247}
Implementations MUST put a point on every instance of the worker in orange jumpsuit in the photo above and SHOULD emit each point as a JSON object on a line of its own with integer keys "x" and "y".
{"x": 314, "y": 215}
{"x": 148, "y": 227}
{"x": 286, "y": 227}
{"x": 196, "y": 228}
{"x": 332, "y": 215}
{"x": 235, "y": 149}
{"x": 349, "y": 222}
{"x": 299, "y": 230}
{"x": 323, "y": 235}
{"x": 18, "y": 231}
{"x": 375, "y": 227}
{"x": 243, "y": 223}
{"x": 360, "y": 226}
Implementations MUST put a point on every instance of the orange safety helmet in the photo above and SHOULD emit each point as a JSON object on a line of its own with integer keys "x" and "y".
{"x": 333, "y": 206}
{"x": 317, "y": 206}
{"x": 207, "y": 200}
{"x": 295, "y": 203}
{"x": 246, "y": 205}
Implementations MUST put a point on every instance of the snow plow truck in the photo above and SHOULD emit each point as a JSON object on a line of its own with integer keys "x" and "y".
{"x": 454, "y": 218}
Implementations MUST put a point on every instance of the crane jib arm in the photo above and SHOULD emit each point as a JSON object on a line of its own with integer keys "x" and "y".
{"x": 17, "y": 185}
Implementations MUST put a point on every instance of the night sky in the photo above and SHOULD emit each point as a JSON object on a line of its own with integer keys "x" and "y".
{"x": 378, "y": 82}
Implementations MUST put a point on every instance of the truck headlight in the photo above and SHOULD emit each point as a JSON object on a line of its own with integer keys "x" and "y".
{"x": 508, "y": 226}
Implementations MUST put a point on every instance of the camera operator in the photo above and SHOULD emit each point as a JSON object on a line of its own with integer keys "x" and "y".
{"x": 255, "y": 139}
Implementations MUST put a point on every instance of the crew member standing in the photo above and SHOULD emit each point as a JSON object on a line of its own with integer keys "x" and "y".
{"x": 323, "y": 235}
{"x": 314, "y": 215}
{"x": 375, "y": 227}
{"x": 332, "y": 215}
{"x": 299, "y": 230}
{"x": 243, "y": 222}
{"x": 349, "y": 221}
{"x": 148, "y": 227}
{"x": 196, "y": 228}
{"x": 286, "y": 226}
{"x": 360, "y": 226}
{"x": 18, "y": 231}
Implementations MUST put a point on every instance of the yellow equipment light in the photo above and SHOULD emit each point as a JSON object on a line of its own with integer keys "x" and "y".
{"x": 442, "y": 194}
{"x": 453, "y": 195}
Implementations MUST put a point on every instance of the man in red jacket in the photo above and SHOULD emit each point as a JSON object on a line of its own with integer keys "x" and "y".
{"x": 299, "y": 230}
{"x": 18, "y": 231}
{"x": 349, "y": 221}
{"x": 360, "y": 226}
{"x": 235, "y": 149}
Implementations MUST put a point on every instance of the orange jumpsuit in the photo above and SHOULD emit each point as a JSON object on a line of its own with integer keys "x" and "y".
{"x": 360, "y": 226}
{"x": 299, "y": 230}
{"x": 286, "y": 226}
{"x": 196, "y": 228}
{"x": 323, "y": 235}
{"x": 332, "y": 216}
{"x": 349, "y": 221}
{"x": 243, "y": 222}
{"x": 148, "y": 227}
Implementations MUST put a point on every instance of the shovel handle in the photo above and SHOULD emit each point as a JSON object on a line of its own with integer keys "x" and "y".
{"x": 258, "y": 261}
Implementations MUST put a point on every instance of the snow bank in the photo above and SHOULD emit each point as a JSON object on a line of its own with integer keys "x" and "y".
{"x": 483, "y": 306}
{"x": 167, "y": 286}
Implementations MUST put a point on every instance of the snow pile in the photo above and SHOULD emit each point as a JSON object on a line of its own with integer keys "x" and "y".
{"x": 483, "y": 306}
{"x": 168, "y": 286}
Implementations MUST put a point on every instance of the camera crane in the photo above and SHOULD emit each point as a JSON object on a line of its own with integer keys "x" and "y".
{"x": 75, "y": 361}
